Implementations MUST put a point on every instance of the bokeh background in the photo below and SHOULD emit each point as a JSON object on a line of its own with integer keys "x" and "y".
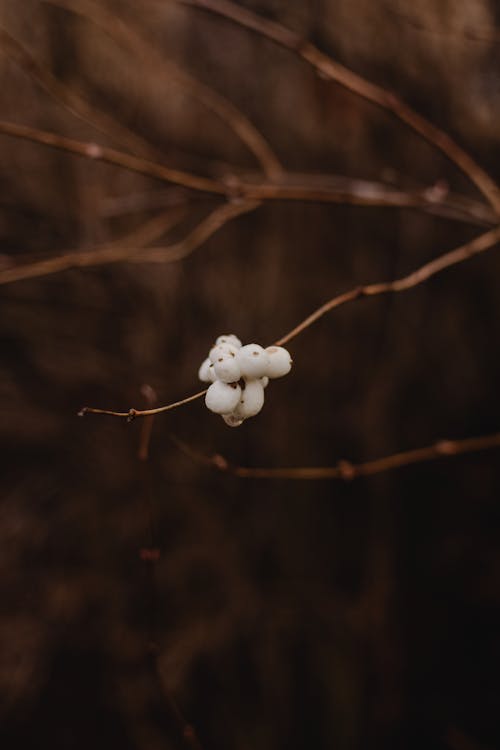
{"x": 281, "y": 614}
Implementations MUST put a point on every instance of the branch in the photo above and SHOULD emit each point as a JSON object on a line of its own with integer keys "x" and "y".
{"x": 474, "y": 247}
{"x": 199, "y": 235}
{"x": 131, "y": 414}
{"x": 345, "y": 469}
{"x": 140, "y": 48}
{"x": 119, "y": 250}
{"x": 320, "y": 189}
{"x": 478, "y": 245}
{"x": 71, "y": 100}
{"x": 114, "y": 157}
{"x": 129, "y": 248}
{"x": 374, "y": 93}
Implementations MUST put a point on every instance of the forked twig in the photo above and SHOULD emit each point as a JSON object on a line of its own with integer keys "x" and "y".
{"x": 478, "y": 245}
{"x": 345, "y": 469}
{"x": 308, "y": 188}
{"x": 374, "y": 93}
{"x": 130, "y": 248}
{"x": 71, "y": 100}
{"x": 112, "y": 156}
{"x": 122, "y": 249}
{"x": 140, "y": 47}
{"x": 198, "y": 236}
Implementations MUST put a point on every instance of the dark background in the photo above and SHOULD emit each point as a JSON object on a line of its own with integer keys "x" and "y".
{"x": 282, "y": 614}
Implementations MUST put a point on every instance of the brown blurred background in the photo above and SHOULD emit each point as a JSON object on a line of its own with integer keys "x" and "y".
{"x": 283, "y": 614}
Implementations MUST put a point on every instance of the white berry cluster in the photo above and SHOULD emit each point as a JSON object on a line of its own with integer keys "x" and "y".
{"x": 238, "y": 375}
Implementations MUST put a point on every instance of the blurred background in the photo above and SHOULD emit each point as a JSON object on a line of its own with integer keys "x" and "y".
{"x": 280, "y": 614}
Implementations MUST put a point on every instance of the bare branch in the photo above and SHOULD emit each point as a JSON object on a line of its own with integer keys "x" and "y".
{"x": 345, "y": 469}
{"x": 200, "y": 234}
{"x": 291, "y": 188}
{"x": 73, "y": 101}
{"x": 129, "y": 248}
{"x": 334, "y": 71}
{"x": 133, "y": 413}
{"x": 113, "y": 252}
{"x": 114, "y": 157}
{"x": 478, "y": 245}
{"x": 141, "y": 48}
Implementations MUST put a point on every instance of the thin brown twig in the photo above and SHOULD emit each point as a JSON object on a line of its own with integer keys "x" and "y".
{"x": 334, "y": 71}
{"x": 345, "y": 469}
{"x": 478, "y": 245}
{"x": 364, "y": 194}
{"x": 133, "y": 413}
{"x": 474, "y": 247}
{"x": 73, "y": 101}
{"x": 112, "y": 156}
{"x": 141, "y": 48}
{"x": 198, "y": 236}
{"x": 122, "y": 249}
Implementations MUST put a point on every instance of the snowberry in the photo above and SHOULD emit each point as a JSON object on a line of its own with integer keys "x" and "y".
{"x": 229, "y": 338}
{"x": 232, "y": 420}
{"x": 280, "y": 362}
{"x": 253, "y": 361}
{"x": 221, "y": 350}
{"x": 222, "y": 398}
{"x": 204, "y": 373}
{"x": 227, "y": 369}
{"x": 264, "y": 381}
{"x": 251, "y": 399}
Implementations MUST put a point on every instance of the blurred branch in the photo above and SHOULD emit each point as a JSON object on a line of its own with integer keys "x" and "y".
{"x": 141, "y": 48}
{"x": 292, "y": 188}
{"x": 345, "y": 469}
{"x": 485, "y": 34}
{"x": 205, "y": 229}
{"x": 464, "y": 252}
{"x": 112, "y": 156}
{"x": 334, "y": 71}
{"x": 113, "y": 252}
{"x": 71, "y": 100}
{"x": 129, "y": 247}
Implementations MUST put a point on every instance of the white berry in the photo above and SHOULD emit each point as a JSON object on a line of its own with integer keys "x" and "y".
{"x": 253, "y": 361}
{"x": 221, "y": 350}
{"x": 222, "y": 398}
{"x": 204, "y": 371}
{"x": 227, "y": 369}
{"x": 229, "y": 338}
{"x": 280, "y": 362}
{"x": 232, "y": 420}
{"x": 251, "y": 399}
{"x": 264, "y": 381}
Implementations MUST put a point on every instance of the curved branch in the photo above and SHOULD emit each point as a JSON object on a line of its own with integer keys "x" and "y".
{"x": 478, "y": 245}
{"x": 114, "y": 157}
{"x": 129, "y": 248}
{"x": 345, "y": 469}
{"x": 374, "y": 93}
{"x": 141, "y": 47}
{"x": 71, "y": 100}
{"x": 133, "y": 413}
{"x": 307, "y": 188}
